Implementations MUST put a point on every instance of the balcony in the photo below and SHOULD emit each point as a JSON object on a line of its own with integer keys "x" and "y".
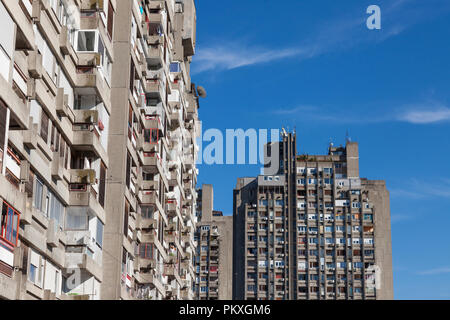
{"x": 171, "y": 208}
{"x": 146, "y": 147}
{"x": 156, "y": 21}
{"x": 173, "y": 178}
{"x": 171, "y": 271}
{"x": 153, "y": 122}
{"x": 89, "y": 140}
{"x": 90, "y": 77}
{"x": 189, "y": 28}
{"x": 147, "y": 263}
{"x": 150, "y": 278}
{"x": 148, "y": 197}
{"x": 148, "y": 224}
{"x": 82, "y": 176}
{"x": 187, "y": 188}
{"x": 155, "y": 52}
{"x": 170, "y": 236}
{"x": 12, "y": 194}
{"x": 152, "y": 163}
{"x": 149, "y": 237}
{"x": 89, "y": 117}
{"x": 175, "y": 120}
{"x": 88, "y": 199}
{"x": 30, "y": 137}
{"x": 64, "y": 41}
{"x": 35, "y": 64}
{"x": 58, "y": 167}
{"x": 155, "y": 89}
{"x": 62, "y": 105}
{"x": 192, "y": 106}
{"x": 84, "y": 262}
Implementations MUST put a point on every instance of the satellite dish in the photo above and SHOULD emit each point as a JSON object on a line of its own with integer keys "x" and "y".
{"x": 201, "y": 91}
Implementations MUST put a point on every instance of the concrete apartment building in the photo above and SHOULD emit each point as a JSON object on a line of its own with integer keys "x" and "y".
{"x": 215, "y": 249}
{"x": 98, "y": 121}
{"x": 55, "y": 66}
{"x": 311, "y": 229}
{"x": 151, "y": 196}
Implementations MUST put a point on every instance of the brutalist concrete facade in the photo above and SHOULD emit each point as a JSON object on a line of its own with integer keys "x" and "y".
{"x": 215, "y": 249}
{"x": 98, "y": 121}
{"x": 313, "y": 229}
{"x": 55, "y": 86}
{"x": 151, "y": 196}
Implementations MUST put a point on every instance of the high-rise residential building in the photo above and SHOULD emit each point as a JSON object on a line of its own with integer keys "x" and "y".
{"x": 311, "y": 228}
{"x": 151, "y": 196}
{"x": 55, "y": 106}
{"x": 98, "y": 121}
{"x": 214, "y": 249}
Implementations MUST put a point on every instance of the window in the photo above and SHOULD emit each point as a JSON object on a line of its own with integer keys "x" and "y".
{"x": 9, "y": 224}
{"x": 3, "y": 115}
{"x": 251, "y": 214}
{"x": 301, "y": 182}
{"x": 328, "y": 170}
{"x": 99, "y": 234}
{"x": 146, "y": 250}
{"x": 56, "y": 210}
{"x": 44, "y": 126}
{"x": 147, "y": 212}
{"x": 32, "y": 273}
{"x": 175, "y": 67}
{"x": 86, "y": 41}
{"x": 128, "y": 172}
{"x": 356, "y": 205}
{"x": 125, "y": 219}
{"x": 110, "y": 24}
{"x": 102, "y": 184}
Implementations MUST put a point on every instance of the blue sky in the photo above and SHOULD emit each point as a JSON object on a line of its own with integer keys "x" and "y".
{"x": 314, "y": 65}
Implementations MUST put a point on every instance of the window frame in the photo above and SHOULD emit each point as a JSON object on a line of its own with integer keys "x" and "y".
{"x": 13, "y": 237}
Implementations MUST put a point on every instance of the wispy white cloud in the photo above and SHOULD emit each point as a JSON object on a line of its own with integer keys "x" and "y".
{"x": 227, "y": 57}
{"x": 340, "y": 34}
{"x": 296, "y": 110}
{"x": 427, "y": 113}
{"x": 396, "y": 218}
{"x": 426, "y": 116}
{"x": 435, "y": 271}
{"x": 424, "y": 189}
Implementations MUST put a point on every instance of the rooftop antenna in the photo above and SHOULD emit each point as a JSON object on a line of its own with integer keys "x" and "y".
{"x": 347, "y": 137}
{"x": 331, "y": 145}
